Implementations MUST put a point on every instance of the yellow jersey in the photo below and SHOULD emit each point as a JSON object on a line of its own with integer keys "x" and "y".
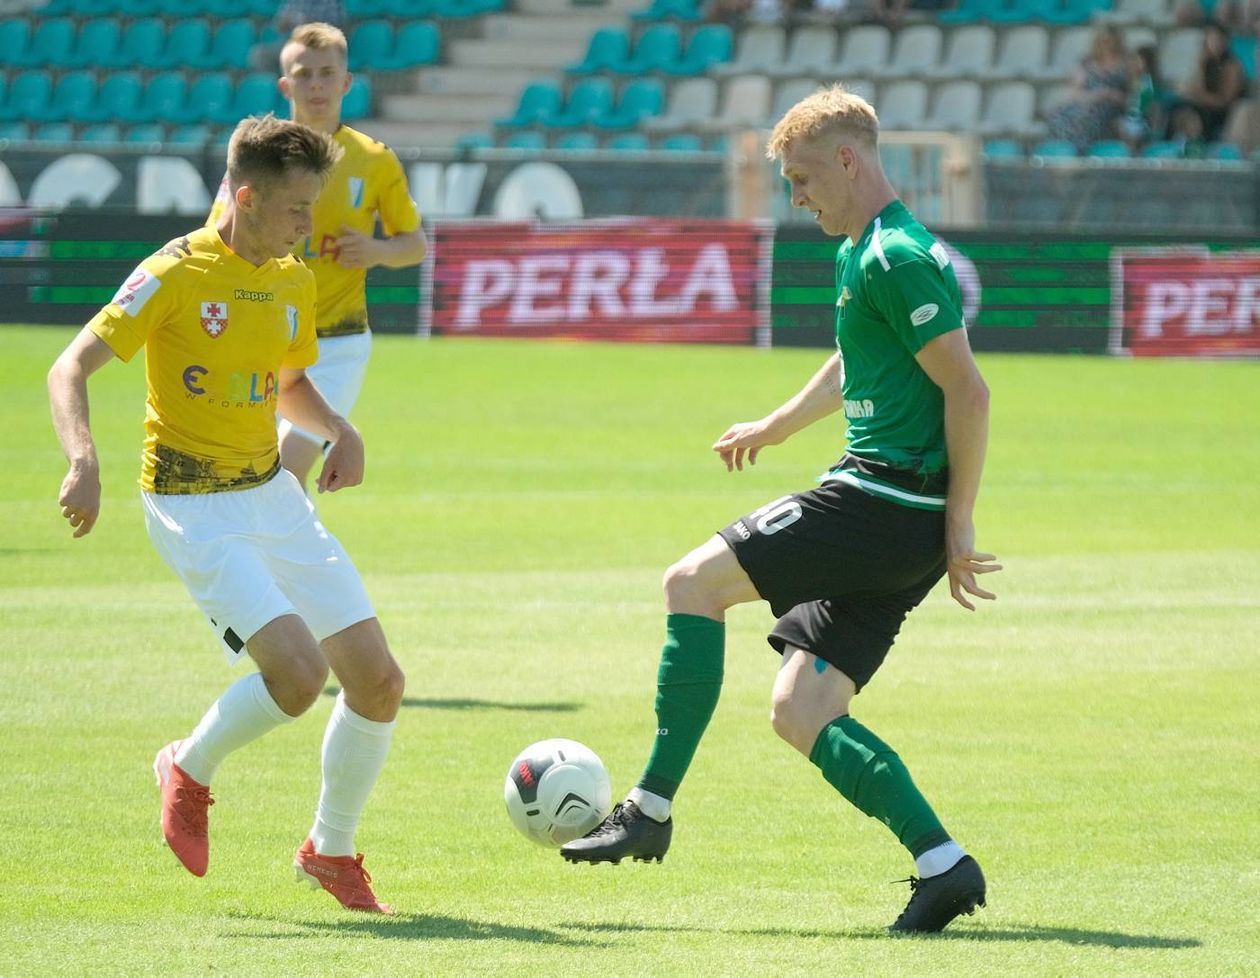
{"x": 216, "y": 331}
{"x": 367, "y": 182}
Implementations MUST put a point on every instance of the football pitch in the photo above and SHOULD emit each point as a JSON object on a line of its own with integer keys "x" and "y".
{"x": 1091, "y": 737}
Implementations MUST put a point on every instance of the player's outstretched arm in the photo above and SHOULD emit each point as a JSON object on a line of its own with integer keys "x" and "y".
{"x": 816, "y": 400}
{"x": 947, "y": 360}
{"x": 80, "y": 496}
{"x": 301, "y": 402}
{"x": 356, "y": 250}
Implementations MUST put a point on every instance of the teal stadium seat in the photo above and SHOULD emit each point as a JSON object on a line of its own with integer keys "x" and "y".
{"x": 74, "y": 98}
{"x": 224, "y": 10}
{"x": 685, "y": 10}
{"x": 578, "y": 140}
{"x": 969, "y": 12}
{"x": 474, "y": 140}
{"x": 230, "y": 46}
{"x": 370, "y": 43}
{"x": 590, "y": 98}
{"x": 659, "y": 47}
{"x": 190, "y": 135}
{"x": 1054, "y": 149}
{"x": 255, "y": 95}
{"x": 147, "y": 132}
{"x": 143, "y": 43}
{"x": 96, "y": 46}
{"x": 15, "y": 40}
{"x": 642, "y": 98}
{"x": 14, "y": 132}
{"x": 1162, "y": 150}
{"x": 710, "y": 45}
{"x": 51, "y": 43}
{"x": 1016, "y": 11}
{"x": 1003, "y": 149}
{"x": 539, "y": 100}
{"x": 187, "y": 44}
{"x": 165, "y": 99}
{"x": 101, "y": 132}
{"x": 358, "y": 101}
{"x": 636, "y": 142}
{"x": 53, "y": 132}
{"x": 29, "y": 95}
{"x": 418, "y": 43}
{"x": 465, "y": 9}
{"x": 1067, "y": 13}
{"x": 1244, "y": 48}
{"x": 607, "y": 48}
{"x": 210, "y": 99}
{"x": 1224, "y": 151}
{"x": 1109, "y": 149}
{"x": 360, "y": 10}
{"x": 526, "y": 139}
{"x": 139, "y": 8}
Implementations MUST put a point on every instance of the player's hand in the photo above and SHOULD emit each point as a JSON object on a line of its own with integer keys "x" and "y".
{"x": 964, "y": 564}
{"x": 343, "y": 466}
{"x": 743, "y": 440}
{"x": 80, "y": 498}
{"x": 355, "y": 250}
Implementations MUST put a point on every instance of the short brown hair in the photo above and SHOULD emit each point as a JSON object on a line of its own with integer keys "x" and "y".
{"x": 264, "y": 148}
{"x": 317, "y": 36}
{"x": 826, "y": 110}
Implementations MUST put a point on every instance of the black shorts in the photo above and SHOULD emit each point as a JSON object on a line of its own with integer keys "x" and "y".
{"x": 841, "y": 569}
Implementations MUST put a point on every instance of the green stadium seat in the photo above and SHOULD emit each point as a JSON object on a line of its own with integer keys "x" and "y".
{"x": 418, "y": 43}
{"x": 1109, "y": 149}
{"x": 73, "y": 99}
{"x": 526, "y": 139}
{"x": 139, "y": 8}
{"x": 53, "y": 132}
{"x": 210, "y": 99}
{"x": 685, "y": 10}
{"x": 360, "y": 10}
{"x": 607, "y": 47}
{"x": 165, "y": 99}
{"x": 101, "y": 132}
{"x": 710, "y": 45}
{"x": 358, "y": 101}
{"x": 1016, "y": 11}
{"x": 96, "y": 46}
{"x": 660, "y": 46}
{"x": 636, "y": 142}
{"x": 464, "y": 9}
{"x": 408, "y": 10}
{"x": 1163, "y": 150}
{"x": 642, "y": 98}
{"x": 190, "y": 135}
{"x": 1244, "y": 48}
{"x": 255, "y": 95}
{"x": 1003, "y": 149}
{"x": 148, "y": 132}
{"x": 29, "y": 95}
{"x": 370, "y": 43}
{"x": 1223, "y": 151}
{"x": 14, "y": 132}
{"x": 15, "y": 41}
{"x": 187, "y": 44}
{"x": 969, "y": 12}
{"x": 683, "y": 142}
{"x": 143, "y": 43}
{"x": 578, "y": 140}
{"x": 51, "y": 43}
{"x": 1054, "y": 149}
{"x": 539, "y": 101}
{"x": 590, "y": 98}
{"x": 230, "y": 46}
{"x": 1066, "y": 13}
{"x": 120, "y": 98}
{"x": 474, "y": 140}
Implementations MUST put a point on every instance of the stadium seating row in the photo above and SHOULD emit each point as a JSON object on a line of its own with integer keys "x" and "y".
{"x": 104, "y": 42}
{"x": 580, "y": 140}
{"x": 193, "y": 134}
{"x": 266, "y": 9}
{"x": 659, "y": 49}
{"x": 1058, "y": 149}
{"x": 166, "y": 98}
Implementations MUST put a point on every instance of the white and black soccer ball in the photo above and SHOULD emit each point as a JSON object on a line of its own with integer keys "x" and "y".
{"x": 557, "y": 790}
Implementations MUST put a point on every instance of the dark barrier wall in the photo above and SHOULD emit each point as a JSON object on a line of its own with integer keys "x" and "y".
{"x": 1025, "y": 291}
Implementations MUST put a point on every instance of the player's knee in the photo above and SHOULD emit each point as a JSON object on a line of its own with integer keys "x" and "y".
{"x": 300, "y": 685}
{"x": 393, "y": 685}
{"x": 687, "y": 590}
{"x": 792, "y": 723}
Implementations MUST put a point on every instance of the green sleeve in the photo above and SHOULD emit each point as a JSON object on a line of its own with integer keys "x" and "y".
{"x": 919, "y": 298}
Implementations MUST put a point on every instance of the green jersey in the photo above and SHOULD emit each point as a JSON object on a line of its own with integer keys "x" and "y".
{"x": 896, "y": 290}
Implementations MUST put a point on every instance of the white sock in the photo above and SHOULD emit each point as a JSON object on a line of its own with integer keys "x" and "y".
{"x": 353, "y": 755}
{"x": 653, "y": 806}
{"x": 940, "y": 859}
{"x": 244, "y": 713}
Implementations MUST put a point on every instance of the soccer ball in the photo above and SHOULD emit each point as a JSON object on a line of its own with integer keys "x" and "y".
{"x": 557, "y": 790}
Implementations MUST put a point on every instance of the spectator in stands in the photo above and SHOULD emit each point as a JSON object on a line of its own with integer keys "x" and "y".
{"x": 263, "y": 57}
{"x": 1100, "y": 92}
{"x": 1217, "y": 82}
{"x": 1147, "y": 97}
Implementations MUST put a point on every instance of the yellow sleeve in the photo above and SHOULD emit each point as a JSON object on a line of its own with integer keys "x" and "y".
{"x": 304, "y": 349}
{"x": 394, "y": 204}
{"x": 141, "y": 304}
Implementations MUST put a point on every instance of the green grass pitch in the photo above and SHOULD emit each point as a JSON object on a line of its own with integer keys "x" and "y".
{"x": 1091, "y": 737}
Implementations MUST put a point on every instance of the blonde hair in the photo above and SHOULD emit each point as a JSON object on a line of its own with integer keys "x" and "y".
{"x": 264, "y": 149}
{"x": 317, "y": 36}
{"x": 833, "y": 109}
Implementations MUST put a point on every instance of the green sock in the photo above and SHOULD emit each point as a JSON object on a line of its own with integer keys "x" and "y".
{"x": 687, "y": 687}
{"x": 868, "y": 772}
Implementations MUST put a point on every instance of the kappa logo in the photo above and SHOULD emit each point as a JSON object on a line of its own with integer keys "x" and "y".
{"x": 924, "y": 314}
{"x": 356, "y": 192}
{"x": 214, "y": 318}
{"x": 135, "y": 292}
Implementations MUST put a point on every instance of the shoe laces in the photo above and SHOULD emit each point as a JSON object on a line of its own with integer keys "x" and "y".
{"x": 194, "y": 801}
{"x": 362, "y": 873}
{"x": 616, "y": 819}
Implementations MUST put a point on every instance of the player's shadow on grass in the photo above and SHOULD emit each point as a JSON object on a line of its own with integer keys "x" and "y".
{"x": 408, "y": 927}
{"x": 1066, "y": 935}
{"x": 460, "y": 703}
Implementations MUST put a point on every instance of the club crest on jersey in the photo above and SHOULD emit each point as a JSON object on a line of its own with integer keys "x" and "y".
{"x": 291, "y": 316}
{"x": 356, "y": 191}
{"x": 842, "y": 300}
{"x": 214, "y": 318}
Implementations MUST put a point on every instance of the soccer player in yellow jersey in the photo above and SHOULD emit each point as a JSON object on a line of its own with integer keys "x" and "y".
{"x": 226, "y": 318}
{"x": 368, "y": 183}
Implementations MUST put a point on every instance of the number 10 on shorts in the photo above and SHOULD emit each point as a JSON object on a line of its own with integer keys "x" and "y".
{"x": 775, "y": 516}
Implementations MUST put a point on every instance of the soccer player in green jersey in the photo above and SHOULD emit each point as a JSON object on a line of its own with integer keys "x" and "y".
{"x": 841, "y": 565}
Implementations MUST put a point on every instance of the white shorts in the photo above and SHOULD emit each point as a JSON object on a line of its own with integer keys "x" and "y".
{"x": 250, "y": 556}
{"x": 338, "y": 375}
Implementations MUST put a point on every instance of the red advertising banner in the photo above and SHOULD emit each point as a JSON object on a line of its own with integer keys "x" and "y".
{"x": 639, "y": 279}
{"x": 1179, "y": 302}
